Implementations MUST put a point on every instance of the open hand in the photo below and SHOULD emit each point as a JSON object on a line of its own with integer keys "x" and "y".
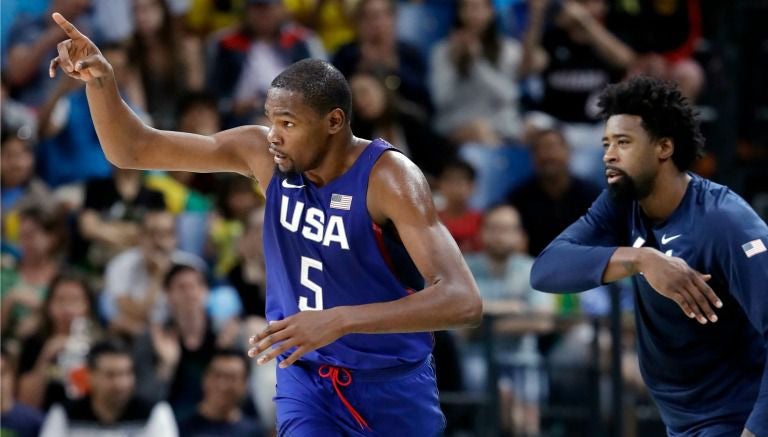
{"x": 674, "y": 279}
{"x": 78, "y": 56}
{"x": 307, "y": 331}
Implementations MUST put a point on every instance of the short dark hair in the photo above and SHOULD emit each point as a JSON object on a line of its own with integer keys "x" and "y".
{"x": 178, "y": 269}
{"x": 196, "y": 99}
{"x": 232, "y": 353}
{"x": 323, "y": 86}
{"x": 461, "y": 166}
{"x": 112, "y": 346}
{"x": 665, "y": 112}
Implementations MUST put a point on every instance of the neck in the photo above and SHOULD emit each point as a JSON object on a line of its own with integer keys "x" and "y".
{"x": 104, "y": 412}
{"x": 192, "y": 327}
{"x": 666, "y": 195}
{"x": 6, "y": 401}
{"x": 497, "y": 265}
{"x": 339, "y": 158}
{"x": 218, "y": 413}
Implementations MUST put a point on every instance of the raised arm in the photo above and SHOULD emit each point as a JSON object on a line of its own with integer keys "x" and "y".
{"x": 129, "y": 143}
{"x": 397, "y": 193}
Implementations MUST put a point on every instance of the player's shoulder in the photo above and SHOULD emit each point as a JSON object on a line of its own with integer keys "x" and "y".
{"x": 720, "y": 206}
{"x": 715, "y": 199}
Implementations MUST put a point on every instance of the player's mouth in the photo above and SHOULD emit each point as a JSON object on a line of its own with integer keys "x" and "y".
{"x": 613, "y": 175}
{"x": 279, "y": 157}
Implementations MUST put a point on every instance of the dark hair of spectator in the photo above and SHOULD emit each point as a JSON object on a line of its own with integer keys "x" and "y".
{"x": 364, "y": 3}
{"x": 228, "y": 185}
{"x": 196, "y": 99}
{"x": 51, "y": 220}
{"x": 664, "y": 111}
{"x": 547, "y": 131}
{"x": 232, "y": 353}
{"x": 490, "y": 41}
{"x": 112, "y": 346}
{"x": 323, "y": 87}
{"x": 178, "y": 269}
{"x": 67, "y": 275}
{"x": 462, "y": 166}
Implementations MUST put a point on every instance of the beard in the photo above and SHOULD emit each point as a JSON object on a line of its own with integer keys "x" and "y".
{"x": 627, "y": 188}
{"x": 286, "y": 174}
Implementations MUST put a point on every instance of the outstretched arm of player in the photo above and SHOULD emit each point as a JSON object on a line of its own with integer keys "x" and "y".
{"x": 587, "y": 254}
{"x": 129, "y": 143}
{"x": 397, "y": 193}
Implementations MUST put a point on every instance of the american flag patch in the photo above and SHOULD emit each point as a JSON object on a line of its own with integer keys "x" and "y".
{"x": 341, "y": 201}
{"x": 753, "y": 248}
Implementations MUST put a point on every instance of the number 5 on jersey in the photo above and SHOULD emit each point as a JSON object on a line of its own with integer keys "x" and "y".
{"x": 306, "y": 264}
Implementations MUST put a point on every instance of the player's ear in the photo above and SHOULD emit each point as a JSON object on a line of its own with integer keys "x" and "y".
{"x": 666, "y": 148}
{"x": 336, "y": 120}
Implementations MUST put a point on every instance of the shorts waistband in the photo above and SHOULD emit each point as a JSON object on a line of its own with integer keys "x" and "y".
{"x": 384, "y": 374}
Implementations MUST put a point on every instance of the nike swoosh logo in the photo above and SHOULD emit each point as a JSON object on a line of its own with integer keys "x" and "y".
{"x": 665, "y": 240}
{"x": 289, "y": 185}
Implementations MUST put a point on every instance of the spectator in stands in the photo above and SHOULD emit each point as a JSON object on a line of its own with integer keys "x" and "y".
{"x": 110, "y": 221}
{"x": 224, "y": 389}
{"x": 171, "y": 358}
{"x": 455, "y": 186}
{"x": 133, "y": 295}
{"x": 381, "y": 113}
{"x": 111, "y": 406}
{"x": 68, "y": 315}
{"x": 248, "y": 276}
{"x": 378, "y": 49}
{"x": 168, "y": 62}
{"x": 250, "y": 56}
{"x": 183, "y": 191}
{"x": 237, "y": 197}
{"x": 473, "y": 78}
{"x": 665, "y": 36}
{"x": 16, "y": 419}
{"x": 502, "y": 271}
{"x": 69, "y": 150}
{"x": 205, "y": 17}
{"x": 24, "y": 282}
{"x": 575, "y": 55}
{"x": 334, "y": 21}
{"x": 19, "y": 187}
{"x": 552, "y": 198}
{"x": 31, "y": 46}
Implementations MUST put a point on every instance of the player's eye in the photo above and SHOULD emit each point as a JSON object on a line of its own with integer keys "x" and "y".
{"x": 288, "y": 124}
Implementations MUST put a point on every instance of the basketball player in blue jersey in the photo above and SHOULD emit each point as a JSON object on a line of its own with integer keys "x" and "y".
{"x": 350, "y": 237}
{"x": 688, "y": 244}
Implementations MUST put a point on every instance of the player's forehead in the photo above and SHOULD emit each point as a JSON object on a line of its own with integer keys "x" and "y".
{"x": 285, "y": 102}
{"x": 623, "y": 125}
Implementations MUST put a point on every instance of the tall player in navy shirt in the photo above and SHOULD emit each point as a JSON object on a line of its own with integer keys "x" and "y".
{"x": 688, "y": 244}
{"x": 350, "y": 237}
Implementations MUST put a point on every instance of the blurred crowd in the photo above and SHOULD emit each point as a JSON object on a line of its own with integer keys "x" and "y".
{"x": 128, "y": 296}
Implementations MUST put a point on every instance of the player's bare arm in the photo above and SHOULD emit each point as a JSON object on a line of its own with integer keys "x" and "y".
{"x": 397, "y": 193}
{"x": 129, "y": 143}
{"x": 670, "y": 276}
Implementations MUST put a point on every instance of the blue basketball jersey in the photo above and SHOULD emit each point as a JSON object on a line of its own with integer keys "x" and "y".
{"x": 323, "y": 250}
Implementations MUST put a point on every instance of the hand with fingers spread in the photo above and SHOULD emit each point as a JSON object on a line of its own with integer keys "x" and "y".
{"x": 306, "y": 331}
{"x": 674, "y": 279}
{"x": 78, "y": 56}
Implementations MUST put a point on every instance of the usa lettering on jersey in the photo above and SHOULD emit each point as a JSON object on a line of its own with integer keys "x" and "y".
{"x": 312, "y": 223}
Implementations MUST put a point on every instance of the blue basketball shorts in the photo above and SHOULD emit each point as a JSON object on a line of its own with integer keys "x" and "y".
{"x": 323, "y": 400}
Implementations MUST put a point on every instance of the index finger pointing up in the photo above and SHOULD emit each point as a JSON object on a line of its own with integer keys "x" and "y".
{"x": 66, "y": 26}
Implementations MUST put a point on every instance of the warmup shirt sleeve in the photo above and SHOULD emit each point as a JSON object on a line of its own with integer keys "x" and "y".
{"x": 576, "y": 259}
{"x": 744, "y": 263}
